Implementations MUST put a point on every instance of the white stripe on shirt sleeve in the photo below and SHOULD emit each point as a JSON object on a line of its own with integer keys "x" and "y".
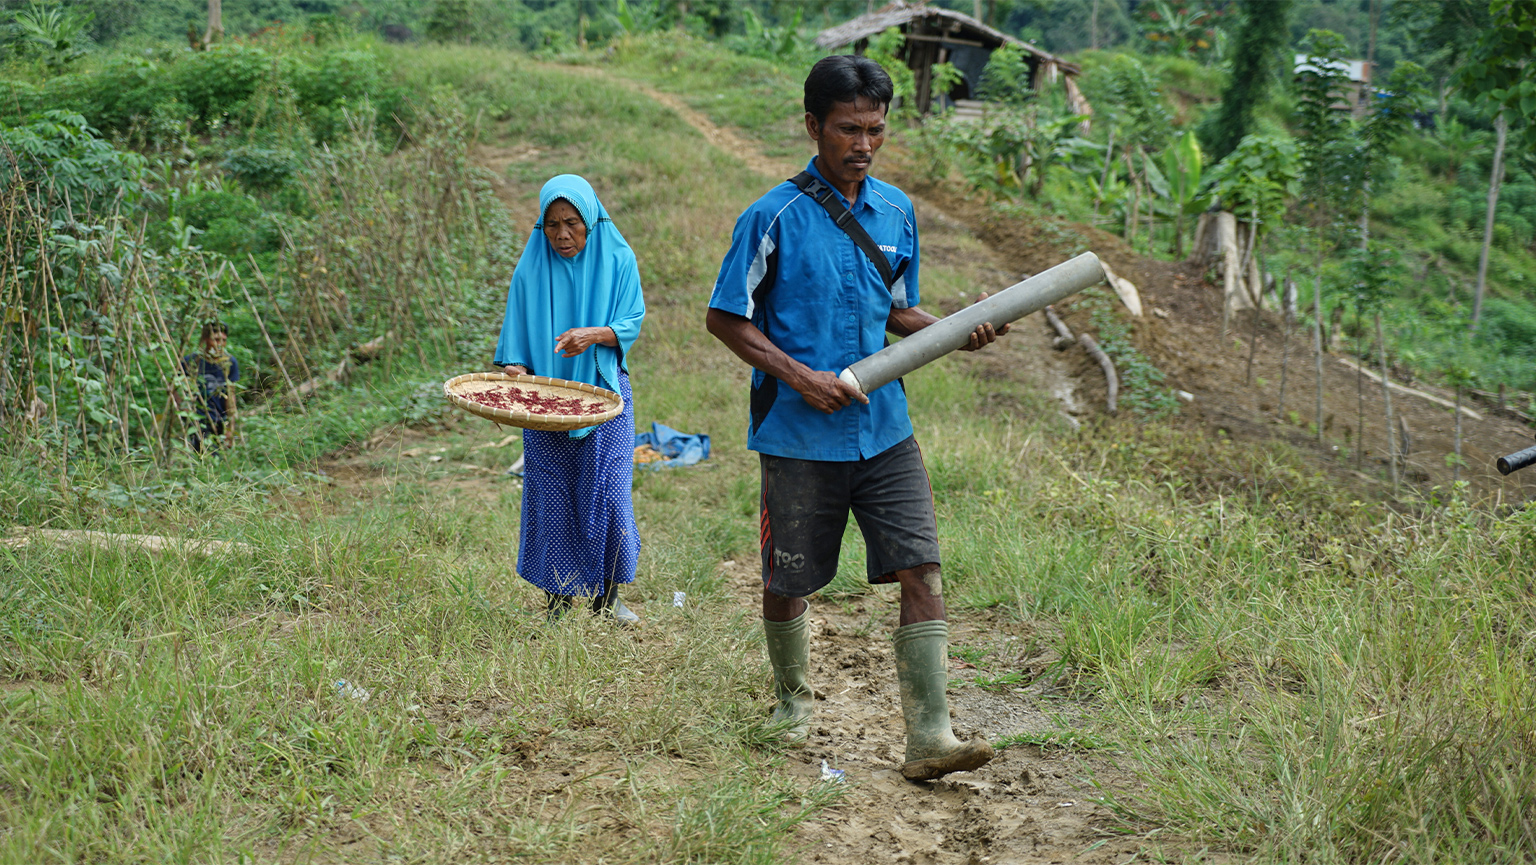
{"x": 759, "y": 270}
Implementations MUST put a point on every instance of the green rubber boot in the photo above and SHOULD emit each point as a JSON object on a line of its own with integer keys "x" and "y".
{"x": 922, "y": 668}
{"x": 789, "y": 651}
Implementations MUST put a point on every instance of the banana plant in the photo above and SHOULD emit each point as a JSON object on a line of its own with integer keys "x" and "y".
{"x": 1111, "y": 195}
{"x": 1182, "y": 162}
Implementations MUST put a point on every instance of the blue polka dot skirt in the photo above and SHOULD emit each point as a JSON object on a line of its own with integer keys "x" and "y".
{"x": 578, "y": 526}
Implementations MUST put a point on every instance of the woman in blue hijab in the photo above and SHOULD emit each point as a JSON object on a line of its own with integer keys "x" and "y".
{"x": 573, "y": 312}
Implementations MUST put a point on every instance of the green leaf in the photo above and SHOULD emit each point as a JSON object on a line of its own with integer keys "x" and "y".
{"x": 1155, "y": 178}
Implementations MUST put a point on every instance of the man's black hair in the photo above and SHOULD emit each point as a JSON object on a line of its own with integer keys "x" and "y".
{"x": 845, "y": 78}
{"x": 212, "y": 327}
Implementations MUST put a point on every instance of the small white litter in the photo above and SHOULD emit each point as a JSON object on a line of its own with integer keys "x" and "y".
{"x": 351, "y": 691}
{"x": 678, "y": 598}
{"x": 836, "y": 776}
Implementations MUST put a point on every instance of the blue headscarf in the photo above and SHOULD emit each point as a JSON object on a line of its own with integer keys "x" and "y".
{"x": 597, "y": 287}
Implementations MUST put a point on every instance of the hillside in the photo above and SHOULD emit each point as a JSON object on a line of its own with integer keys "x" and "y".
{"x": 1189, "y": 645}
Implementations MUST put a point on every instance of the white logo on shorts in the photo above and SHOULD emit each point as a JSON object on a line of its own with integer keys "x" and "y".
{"x": 785, "y": 559}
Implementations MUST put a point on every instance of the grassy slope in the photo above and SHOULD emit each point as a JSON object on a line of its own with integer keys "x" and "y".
{"x": 1293, "y": 674}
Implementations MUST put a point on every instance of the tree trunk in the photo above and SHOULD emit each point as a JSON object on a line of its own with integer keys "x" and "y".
{"x": 1109, "y": 158}
{"x": 1253, "y": 337}
{"x": 1253, "y": 345}
{"x": 1131, "y": 223}
{"x": 1370, "y": 51}
{"x": 1360, "y": 392}
{"x": 1501, "y": 126}
{"x": 215, "y": 23}
{"x": 1093, "y": 26}
{"x": 1365, "y": 211}
{"x": 1285, "y": 342}
{"x": 1386, "y": 395}
{"x": 1178, "y": 231}
{"x": 1317, "y": 337}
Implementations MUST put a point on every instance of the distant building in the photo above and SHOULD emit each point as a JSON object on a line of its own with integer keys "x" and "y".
{"x": 936, "y": 35}
{"x": 1353, "y": 95}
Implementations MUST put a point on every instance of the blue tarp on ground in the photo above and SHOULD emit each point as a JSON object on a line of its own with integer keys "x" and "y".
{"x": 679, "y": 448}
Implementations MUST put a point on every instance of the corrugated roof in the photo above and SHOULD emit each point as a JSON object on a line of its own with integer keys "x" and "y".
{"x": 900, "y": 12}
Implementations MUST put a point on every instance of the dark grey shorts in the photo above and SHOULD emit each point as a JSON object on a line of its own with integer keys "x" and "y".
{"x": 805, "y": 508}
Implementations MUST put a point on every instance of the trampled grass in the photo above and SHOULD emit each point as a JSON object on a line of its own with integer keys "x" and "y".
{"x": 1295, "y": 676}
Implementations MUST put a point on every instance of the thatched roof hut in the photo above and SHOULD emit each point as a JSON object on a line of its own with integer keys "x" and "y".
{"x": 937, "y": 35}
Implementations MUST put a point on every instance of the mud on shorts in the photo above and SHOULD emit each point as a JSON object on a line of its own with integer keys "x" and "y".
{"x": 805, "y": 505}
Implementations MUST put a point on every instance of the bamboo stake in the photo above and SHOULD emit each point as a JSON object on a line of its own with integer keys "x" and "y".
{"x": 1285, "y": 340}
{"x": 53, "y": 382}
{"x": 283, "y": 368}
{"x": 282, "y": 319}
{"x": 1456, "y": 467}
{"x": 1317, "y": 339}
{"x": 1386, "y": 395}
{"x": 1360, "y": 392}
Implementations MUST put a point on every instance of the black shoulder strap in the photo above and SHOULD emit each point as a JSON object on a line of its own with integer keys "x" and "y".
{"x": 807, "y": 183}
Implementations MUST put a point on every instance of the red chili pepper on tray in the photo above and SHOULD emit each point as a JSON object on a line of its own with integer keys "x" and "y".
{"x": 533, "y": 402}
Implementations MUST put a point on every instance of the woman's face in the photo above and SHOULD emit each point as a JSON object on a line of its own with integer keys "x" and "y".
{"x": 564, "y": 229}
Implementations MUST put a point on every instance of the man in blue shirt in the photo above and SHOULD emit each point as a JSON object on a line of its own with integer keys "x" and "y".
{"x": 798, "y": 299}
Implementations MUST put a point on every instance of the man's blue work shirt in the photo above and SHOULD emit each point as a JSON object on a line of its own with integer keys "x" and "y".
{"x": 802, "y": 282}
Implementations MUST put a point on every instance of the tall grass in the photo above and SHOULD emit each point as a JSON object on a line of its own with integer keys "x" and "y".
{"x": 1293, "y": 675}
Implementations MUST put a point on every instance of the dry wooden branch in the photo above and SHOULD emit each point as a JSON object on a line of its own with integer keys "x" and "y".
{"x": 1410, "y": 391}
{"x": 1386, "y": 396}
{"x": 1110, "y": 378}
{"x": 335, "y": 375}
{"x": 22, "y": 536}
{"x": 1064, "y": 336}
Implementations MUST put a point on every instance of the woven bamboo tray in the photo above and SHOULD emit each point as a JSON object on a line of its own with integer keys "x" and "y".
{"x": 461, "y": 389}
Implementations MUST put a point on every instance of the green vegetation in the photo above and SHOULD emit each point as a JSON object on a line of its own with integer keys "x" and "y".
{"x": 1290, "y": 674}
{"x": 1260, "y": 37}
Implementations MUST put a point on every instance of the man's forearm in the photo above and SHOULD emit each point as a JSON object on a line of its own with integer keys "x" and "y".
{"x": 749, "y": 344}
{"x": 820, "y": 388}
{"x": 905, "y": 322}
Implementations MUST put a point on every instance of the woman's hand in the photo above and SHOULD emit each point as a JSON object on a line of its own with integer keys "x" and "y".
{"x": 579, "y": 339}
{"x": 515, "y": 369}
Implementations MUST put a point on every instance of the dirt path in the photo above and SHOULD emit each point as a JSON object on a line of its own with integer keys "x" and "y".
{"x": 1029, "y": 806}
{"x": 1026, "y": 806}
{"x": 724, "y": 139}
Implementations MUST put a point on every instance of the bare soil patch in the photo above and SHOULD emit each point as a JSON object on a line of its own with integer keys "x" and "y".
{"x": 1181, "y": 335}
{"x": 1026, "y": 806}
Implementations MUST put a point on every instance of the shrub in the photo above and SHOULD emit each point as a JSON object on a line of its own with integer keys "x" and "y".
{"x": 59, "y": 149}
{"x": 340, "y": 76}
{"x": 1510, "y": 326}
{"x": 19, "y": 98}
{"x": 231, "y": 223}
{"x": 124, "y": 91}
{"x": 218, "y": 81}
{"x": 262, "y": 166}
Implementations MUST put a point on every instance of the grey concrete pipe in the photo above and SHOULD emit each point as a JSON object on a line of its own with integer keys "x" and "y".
{"x": 953, "y": 332}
